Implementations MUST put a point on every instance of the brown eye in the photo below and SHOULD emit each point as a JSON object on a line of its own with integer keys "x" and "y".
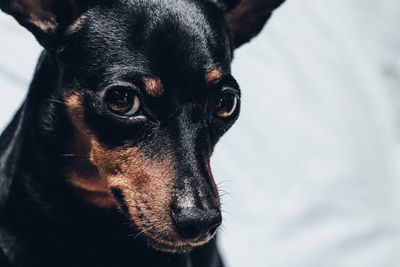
{"x": 122, "y": 101}
{"x": 227, "y": 104}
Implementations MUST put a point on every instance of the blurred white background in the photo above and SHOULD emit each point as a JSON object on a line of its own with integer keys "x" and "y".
{"x": 312, "y": 167}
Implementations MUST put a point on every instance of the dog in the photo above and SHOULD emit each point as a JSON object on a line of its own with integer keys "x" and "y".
{"x": 107, "y": 162}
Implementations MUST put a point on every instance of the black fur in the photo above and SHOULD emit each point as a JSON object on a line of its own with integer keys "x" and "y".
{"x": 42, "y": 223}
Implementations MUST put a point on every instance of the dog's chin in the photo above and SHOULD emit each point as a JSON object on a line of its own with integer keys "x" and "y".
{"x": 177, "y": 247}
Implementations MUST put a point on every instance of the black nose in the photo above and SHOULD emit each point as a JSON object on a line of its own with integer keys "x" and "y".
{"x": 194, "y": 224}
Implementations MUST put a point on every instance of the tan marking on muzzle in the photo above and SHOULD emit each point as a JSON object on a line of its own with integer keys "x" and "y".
{"x": 145, "y": 183}
{"x": 211, "y": 176}
{"x": 153, "y": 86}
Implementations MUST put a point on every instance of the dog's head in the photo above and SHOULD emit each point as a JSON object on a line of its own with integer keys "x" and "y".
{"x": 148, "y": 92}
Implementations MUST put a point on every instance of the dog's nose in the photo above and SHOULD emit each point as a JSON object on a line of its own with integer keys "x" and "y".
{"x": 196, "y": 225}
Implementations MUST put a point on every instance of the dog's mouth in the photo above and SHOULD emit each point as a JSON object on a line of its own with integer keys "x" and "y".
{"x": 164, "y": 236}
{"x": 168, "y": 246}
{"x": 167, "y": 223}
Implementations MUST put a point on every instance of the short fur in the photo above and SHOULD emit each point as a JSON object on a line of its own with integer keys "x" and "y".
{"x": 80, "y": 186}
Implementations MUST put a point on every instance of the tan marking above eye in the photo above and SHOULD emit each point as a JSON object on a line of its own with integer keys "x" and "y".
{"x": 154, "y": 86}
{"x": 76, "y": 25}
{"x": 213, "y": 76}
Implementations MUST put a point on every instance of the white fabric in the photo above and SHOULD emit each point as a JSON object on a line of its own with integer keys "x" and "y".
{"x": 312, "y": 166}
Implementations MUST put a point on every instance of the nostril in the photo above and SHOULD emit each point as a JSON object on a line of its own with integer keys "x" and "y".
{"x": 196, "y": 225}
{"x": 188, "y": 228}
{"x": 190, "y": 232}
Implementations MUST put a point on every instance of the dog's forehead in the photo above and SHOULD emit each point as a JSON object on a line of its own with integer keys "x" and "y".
{"x": 169, "y": 38}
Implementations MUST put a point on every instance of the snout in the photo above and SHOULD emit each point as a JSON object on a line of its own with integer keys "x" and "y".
{"x": 195, "y": 224}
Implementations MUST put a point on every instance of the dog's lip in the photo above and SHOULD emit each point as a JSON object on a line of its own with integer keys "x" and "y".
{"x": 170, "y": 246}
{"x": 179, "y": 247}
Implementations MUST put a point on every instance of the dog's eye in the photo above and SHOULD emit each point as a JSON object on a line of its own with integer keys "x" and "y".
{"x": 122, "y": 101}
{"x": 227, "y": 104}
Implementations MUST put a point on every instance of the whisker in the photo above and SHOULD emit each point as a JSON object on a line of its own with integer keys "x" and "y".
{"x": 68, "y": 155}
{"x": 224, "y": 181}
{"x": 143, "y": 231}
{"x": 55, "y": 101}
{"x": 226, "y": 212}
{"x": 221, "y": 230}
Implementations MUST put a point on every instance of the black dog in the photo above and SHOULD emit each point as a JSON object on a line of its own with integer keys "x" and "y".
{"x": 107, "y": 161}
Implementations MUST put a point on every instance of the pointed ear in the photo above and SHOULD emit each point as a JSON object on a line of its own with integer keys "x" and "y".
{"x": 48, "y": 20}
{"x": 248, "y": 18}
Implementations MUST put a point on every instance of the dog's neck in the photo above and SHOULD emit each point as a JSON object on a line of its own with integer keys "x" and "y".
{"x": 33, "y": 150}
{"x": 28, "y": 146}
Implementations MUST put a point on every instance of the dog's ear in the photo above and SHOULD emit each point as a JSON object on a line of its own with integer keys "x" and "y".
{"x": 247, "y": 18}
{"x": 48, "y": 20}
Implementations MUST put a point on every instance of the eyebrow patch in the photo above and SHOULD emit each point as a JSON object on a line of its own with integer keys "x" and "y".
{"x": 154, "y": 86}
{"x": 76, "y": 25}
{"x": 213, "y": 75}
